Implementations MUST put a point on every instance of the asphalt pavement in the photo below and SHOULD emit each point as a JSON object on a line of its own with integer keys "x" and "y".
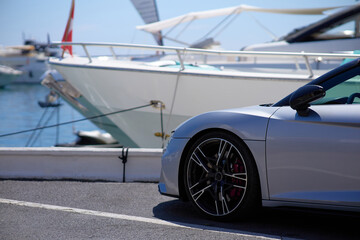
{"x": 108, "y": 210}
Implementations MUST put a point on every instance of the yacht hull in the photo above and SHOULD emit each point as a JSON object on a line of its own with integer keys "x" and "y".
{"x": 184, "y": 93}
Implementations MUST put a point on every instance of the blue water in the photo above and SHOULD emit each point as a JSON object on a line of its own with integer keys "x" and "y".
{"x": 19, "y": 110}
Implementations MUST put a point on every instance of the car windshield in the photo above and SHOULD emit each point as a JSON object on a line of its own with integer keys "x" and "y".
{"x": 338, "y": 91}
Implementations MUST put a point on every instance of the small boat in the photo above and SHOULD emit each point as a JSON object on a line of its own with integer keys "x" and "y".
{"x": 8, "y": 75}
{"x": 29, "y": 58}
{"x": 93, "y": 139}
{"x": 51, "y": 100}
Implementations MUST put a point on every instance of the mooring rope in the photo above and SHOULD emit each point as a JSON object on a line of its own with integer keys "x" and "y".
{"x": 80, "y": 120}
{"x": 38, "y": 125}
{"x": 123, "y": 157}
{"x": 162, "y": 127}
{"x": 32, "y": 140}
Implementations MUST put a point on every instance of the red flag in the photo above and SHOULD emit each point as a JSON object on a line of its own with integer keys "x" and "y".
{"x": 68, "y": 30}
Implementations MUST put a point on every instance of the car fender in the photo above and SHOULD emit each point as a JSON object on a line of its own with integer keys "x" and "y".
{"x": 248, "y": 123}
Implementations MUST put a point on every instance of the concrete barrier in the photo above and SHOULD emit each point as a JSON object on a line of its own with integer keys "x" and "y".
{"x": 92, "y": 164}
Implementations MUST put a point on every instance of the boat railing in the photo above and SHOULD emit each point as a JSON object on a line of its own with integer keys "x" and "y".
{"x": 181, "y": 51}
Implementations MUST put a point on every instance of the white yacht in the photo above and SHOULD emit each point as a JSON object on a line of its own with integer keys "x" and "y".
{"x": 179, "y": 83}
{"x": 185, "y": 89}
{"x": 7, "y": 75}
{"x": 30, "y": 58}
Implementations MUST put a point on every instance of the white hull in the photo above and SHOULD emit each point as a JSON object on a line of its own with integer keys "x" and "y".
{"x": 111, "y": 87}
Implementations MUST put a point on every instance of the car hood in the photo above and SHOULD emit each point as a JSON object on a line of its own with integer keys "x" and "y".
{"x": 248, "y": 123}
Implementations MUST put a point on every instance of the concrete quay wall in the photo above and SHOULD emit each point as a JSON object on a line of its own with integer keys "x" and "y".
{"x": 88, "y": 164}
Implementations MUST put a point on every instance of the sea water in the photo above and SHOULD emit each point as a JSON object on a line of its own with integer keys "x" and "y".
{"x": 20, "y": 111}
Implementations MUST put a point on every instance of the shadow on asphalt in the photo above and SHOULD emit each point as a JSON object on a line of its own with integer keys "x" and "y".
{"x": 281, "y": 222}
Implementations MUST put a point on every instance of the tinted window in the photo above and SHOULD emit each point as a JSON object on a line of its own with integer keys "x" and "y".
{"x": 340, "y": 88}
{"x": 344, "y": 30}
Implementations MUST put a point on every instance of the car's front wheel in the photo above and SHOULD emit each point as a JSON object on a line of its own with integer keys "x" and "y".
{"x": 220, "y": 176}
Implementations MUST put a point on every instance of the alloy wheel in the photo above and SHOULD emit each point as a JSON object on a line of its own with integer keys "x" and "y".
{"x": 216, "y": 177}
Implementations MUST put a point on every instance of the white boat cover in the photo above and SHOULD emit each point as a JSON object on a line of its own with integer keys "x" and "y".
{"x": 158, "y": 26}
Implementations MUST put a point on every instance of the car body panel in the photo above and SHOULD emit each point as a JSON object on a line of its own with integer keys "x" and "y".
{"x": 318, "y": 156}
{"x": 248, "y": 123}
{"x": 257, "y": 148}
{"x": 170, "y": 163}
{"x": 282, "y": 203}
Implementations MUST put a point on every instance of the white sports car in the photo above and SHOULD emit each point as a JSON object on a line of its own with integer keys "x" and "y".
{"x": 302, "y": 151}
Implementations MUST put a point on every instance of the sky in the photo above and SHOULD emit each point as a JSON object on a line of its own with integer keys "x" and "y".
{"x": 115, "y": 20}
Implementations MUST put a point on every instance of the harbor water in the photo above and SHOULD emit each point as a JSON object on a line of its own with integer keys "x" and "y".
{"x": 20, "y": 111}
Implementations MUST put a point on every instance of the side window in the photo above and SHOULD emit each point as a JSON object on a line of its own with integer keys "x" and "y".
{"x": 340, "y": 93}
{"x": 345, "y": 89}
{"x": 347, "y": 28}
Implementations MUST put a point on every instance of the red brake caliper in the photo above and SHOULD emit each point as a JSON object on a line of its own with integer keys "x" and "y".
{"x": 237, "y": 168}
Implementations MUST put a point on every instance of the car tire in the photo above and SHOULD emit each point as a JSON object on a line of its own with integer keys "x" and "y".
{"x": 220, "y": 177}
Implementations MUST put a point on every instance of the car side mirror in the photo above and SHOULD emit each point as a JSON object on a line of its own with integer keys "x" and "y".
{"x": 301, "y": 98}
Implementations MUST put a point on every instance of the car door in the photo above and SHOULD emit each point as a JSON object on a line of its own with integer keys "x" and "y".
{"x": 316, "y": 158}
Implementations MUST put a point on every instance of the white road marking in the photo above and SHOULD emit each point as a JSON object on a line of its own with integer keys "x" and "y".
{"x": 137, "y": 219}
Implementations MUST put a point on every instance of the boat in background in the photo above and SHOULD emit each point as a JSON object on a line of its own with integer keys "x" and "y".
{"x": 94, "y": 139}
{"x": 8, "y": 75}
{"x": 30, "y": 58}
{"x": 339, "y": 32}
